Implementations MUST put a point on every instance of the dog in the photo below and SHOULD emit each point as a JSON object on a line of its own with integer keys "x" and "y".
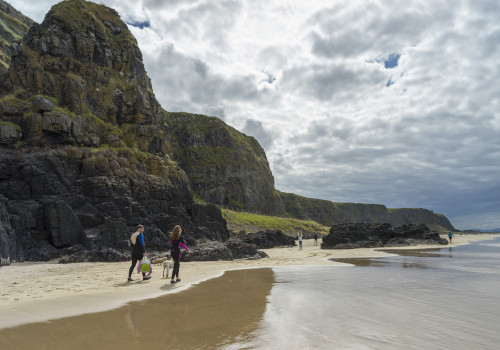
{"x": 167, "y": 264}
{"x": 158, "y": 261}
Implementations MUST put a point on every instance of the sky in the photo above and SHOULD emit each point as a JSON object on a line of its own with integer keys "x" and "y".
{"x": 387, "y": 102}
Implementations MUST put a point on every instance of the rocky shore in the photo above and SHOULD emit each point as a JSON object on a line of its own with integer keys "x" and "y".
{"x": 363, "y": 235}
{"x": 242, "y": 246}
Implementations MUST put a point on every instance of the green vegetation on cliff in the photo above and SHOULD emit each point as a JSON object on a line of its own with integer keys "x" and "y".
{"x": 250, "y": 223}
{"x": 13, "y": 26}
{"x": 225, "y": 166}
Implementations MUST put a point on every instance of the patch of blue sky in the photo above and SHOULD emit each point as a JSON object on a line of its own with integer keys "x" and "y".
{"x": 140, "y": 25}
{"x": 392, "y": 60}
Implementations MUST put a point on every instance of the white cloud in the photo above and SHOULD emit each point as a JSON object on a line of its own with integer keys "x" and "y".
{"x": 338, "y": 132}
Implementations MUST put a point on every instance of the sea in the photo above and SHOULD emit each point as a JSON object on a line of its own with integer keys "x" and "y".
{"x": 444, "y": 298}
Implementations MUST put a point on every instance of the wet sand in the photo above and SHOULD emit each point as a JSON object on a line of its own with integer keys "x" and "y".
{"x": 216, "y": 312}
{"x": 36, "y": 292}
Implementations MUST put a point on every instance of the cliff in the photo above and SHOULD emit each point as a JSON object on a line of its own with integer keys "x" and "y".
{"x": 13, "y": 26}
{"x": 331, "y": 213}
{"x": 224, "y": 166}
{"x": 84, "y": 154}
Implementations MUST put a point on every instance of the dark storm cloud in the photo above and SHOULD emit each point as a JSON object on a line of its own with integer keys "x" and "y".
{"x": 256, "y": 129}
{"x": 325, "y": 82}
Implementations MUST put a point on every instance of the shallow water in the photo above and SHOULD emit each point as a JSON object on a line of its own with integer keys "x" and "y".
{"x": 429, "y": 299}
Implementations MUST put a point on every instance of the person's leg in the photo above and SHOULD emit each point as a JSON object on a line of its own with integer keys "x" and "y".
{"x": 134, "y": 262}
{"x": 178, "y": 269}
{"x": 175, "y": 270}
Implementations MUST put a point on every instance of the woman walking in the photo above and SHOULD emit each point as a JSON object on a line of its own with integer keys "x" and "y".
{"x": 176, "y": 242}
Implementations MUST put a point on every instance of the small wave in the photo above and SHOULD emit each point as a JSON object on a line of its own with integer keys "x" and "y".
{"x": 496, "y": 245}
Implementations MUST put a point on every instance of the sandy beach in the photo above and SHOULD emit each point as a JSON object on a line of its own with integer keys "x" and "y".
{"x": 35, "y": 292}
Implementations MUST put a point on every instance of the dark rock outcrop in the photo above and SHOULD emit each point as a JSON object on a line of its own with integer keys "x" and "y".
{"x": 64, "y": 197}
{"x": 229, "y": 250}
{"x": 264, "y": 239}
{"x": 242, "y": 246}
{"x": 362, "y": 235}
{"x": 81, "y": 254}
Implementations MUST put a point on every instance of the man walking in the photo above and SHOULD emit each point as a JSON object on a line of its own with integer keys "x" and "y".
{"x": 138, "y": 251}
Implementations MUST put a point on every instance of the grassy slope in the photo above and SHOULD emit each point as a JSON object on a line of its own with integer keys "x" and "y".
{"x": 238, "y": 221}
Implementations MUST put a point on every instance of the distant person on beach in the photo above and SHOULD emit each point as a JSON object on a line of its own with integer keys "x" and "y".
{"x": 300, "y": 239}
{"x": 176, "y": 242}
{"x": 138, "y": 251}
{"x": 315, "y": 239}
{"x": 450, "y": 236}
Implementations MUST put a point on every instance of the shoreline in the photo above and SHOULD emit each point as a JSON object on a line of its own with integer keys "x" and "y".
{"x": 39, "y": 292}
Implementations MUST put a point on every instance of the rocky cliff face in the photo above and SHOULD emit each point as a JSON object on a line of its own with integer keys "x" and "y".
{"x": 13, "y": 26}
{"x": 224, "y": 166}
{"x": 84, "y": 143}
{"x": 404, "y": 216}
{"x": 85, "y": 58}
{"x": 330, "y": 213}
{"x": 58, "y": 198}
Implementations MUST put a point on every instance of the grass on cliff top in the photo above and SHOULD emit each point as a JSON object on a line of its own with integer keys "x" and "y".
{"x": 438, "y": 228}
{"x": 13, "y": 25}
{"x": 80, "y": 13}
{"x": 249, "y": 222}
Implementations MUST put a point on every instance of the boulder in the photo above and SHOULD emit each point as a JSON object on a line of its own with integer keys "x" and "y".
{"x": 264, "y": 239}
{"x": 63, "y": 225}
{"x": 80, "y": 254}
{"x": 43, "y": 104}
{"x": 363, "y": 235}
{"x": 208, "y": 251}
{"x": 9, "y": 134}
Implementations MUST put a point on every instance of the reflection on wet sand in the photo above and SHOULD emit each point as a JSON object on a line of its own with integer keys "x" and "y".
{"x": 209, "y": 315}
{"x": 419, "y": 253}
{"x": 397, "y": 261}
